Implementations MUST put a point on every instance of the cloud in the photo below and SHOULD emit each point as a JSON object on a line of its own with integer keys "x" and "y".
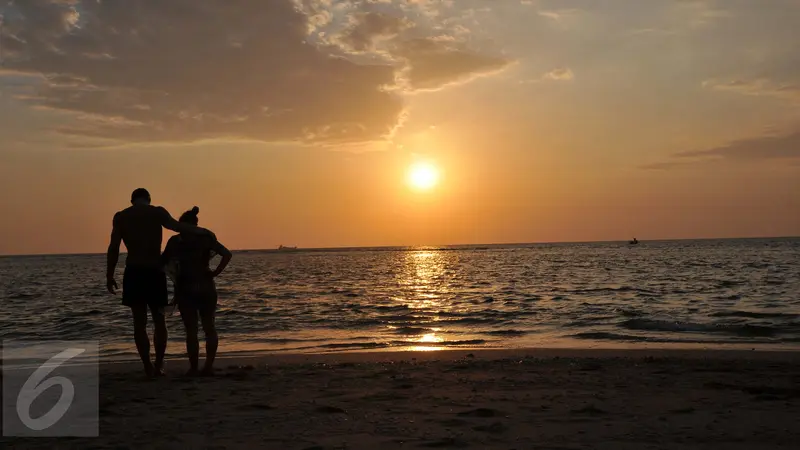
{"x": 366, "y": 28}
{"x": 758, "y": 87}
{"x": 189, "y": 70}
{"x": 426, "y": 61}
{"x": 785, "y": 146}
{"x": 433, "y": 63}
{"x": 663, "y": 165}
{"x": 700, "y": 13}
{"x": 560, "y": 74}
{"x": 557, "y": 74}
{"x": 559, "y": 14}
{"x": 769, "y": 147}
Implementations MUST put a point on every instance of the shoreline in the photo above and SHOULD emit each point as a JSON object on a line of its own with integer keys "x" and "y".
{"x": 372, "y": 356}
{"x": 365, "y": 356}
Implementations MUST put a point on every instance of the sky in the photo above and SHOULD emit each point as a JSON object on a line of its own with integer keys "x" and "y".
{"x": 294, "y": 122}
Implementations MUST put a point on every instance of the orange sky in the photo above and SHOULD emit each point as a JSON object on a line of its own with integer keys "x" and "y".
{"x": 294, "y": 122}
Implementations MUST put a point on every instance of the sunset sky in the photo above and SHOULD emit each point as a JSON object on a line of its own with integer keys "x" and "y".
{"x": 295, "y": 121}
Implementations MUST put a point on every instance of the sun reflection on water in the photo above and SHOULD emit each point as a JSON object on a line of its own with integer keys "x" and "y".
{"x": 426, "y": 340}
{"x": 421, "y": 279}
{"x": 430, "y": 337}
{"x": 422, "y": 285}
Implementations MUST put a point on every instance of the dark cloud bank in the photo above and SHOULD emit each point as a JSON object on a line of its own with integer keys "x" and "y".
{"x": 771, "y": 147}
{"x": 185, "y": 70}
{"x": 784, "y": 146}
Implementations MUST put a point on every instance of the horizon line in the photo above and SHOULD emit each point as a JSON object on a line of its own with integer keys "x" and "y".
{"x": 497, "y": 244}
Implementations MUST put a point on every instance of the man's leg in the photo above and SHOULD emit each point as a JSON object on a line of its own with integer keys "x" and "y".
{"x": 139, "y": 311}
{"x": 189, "y": 316}
{"x": 212, "y": 341}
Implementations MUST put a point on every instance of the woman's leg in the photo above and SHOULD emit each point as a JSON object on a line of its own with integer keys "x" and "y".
{"x": 207, "y": 316}
{"x": 159, "y": 339}
{"x": 189, "y": 316}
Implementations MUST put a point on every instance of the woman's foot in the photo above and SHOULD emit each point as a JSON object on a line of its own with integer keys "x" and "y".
{"x": 149, "y": 371}
{"x": 207, "y": 372}
{"x": 193, "y": 372}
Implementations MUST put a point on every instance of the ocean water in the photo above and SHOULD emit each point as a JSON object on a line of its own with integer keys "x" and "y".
{"x": 708, "y": 293}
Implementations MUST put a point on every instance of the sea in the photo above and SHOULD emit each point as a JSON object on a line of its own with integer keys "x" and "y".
{"x": 737, "y": 293}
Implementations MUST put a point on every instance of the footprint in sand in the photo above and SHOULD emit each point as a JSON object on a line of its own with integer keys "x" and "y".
{"x": 331, "y": 410}
{"x": 453, "y": 423}
{"x": 496, "y": 427}
{"x": 480, "y": 412}
{"x": 256, "y": 406}
{"x": 445, "y": 443}
{"x": 590, "y": 410}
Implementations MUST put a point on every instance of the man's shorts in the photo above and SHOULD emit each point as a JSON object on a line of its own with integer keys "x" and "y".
{"x": 145, "y": 286}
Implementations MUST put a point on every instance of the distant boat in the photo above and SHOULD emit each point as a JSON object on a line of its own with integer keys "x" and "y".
{"x": 633, "y": 242}
{"x": 284, "y": 248}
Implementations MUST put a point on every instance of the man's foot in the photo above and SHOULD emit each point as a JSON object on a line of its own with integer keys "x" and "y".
{"x": 193, "y": 372}
{"x": 207, "y": 372}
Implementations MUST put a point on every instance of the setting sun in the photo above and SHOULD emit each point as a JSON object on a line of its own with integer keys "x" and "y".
{"x": 423, "y": 176}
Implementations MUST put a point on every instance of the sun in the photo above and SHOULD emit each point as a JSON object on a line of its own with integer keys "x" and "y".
{"x": 423, "y": 176}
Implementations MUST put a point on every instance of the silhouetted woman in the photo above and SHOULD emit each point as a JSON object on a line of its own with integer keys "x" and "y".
{"x": 195, "y": 290}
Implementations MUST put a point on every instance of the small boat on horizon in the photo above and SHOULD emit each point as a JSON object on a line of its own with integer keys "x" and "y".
{"x": 633, "y": 242}
{"x": 285, "y": 248}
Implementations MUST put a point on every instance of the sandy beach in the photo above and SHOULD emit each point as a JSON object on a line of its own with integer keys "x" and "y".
{"x": 544, "y": 399}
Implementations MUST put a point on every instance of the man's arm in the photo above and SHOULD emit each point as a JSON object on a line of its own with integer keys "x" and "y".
{"x": 168, "y": 222}
{"x": 112, "y": 256}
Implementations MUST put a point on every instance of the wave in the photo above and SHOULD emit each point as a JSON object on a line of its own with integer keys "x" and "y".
{"x": 412, "y": 330}
{"x": 601, "y": 290}
{"x": 746, "y": 330}
{"x": 264, "y": 340}
{"x": 356, "y": 345}
{"x": 440, "y": 344}
{"x": 392, "y": 308}
{"x": 475, "y": 320}
{"x": 620, "y": 337}
{"x": 754, "y": 315}
{"x": 604, "y": 336}
{"x": 580, "y": 323}
{"x": 400, "y": 343}
{"x": 20, "y": 296}
{"x": 510, "y": 332}
{"x": 730, "y": 283}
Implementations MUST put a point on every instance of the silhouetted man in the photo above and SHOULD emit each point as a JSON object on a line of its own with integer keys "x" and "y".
{"x": 144, "y": 284}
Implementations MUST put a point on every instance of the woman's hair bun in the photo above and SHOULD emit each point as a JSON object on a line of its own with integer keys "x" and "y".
{"x": 195, "y": 210}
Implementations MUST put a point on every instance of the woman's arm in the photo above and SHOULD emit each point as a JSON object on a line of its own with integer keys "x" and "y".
{"x": 226, "y": 257}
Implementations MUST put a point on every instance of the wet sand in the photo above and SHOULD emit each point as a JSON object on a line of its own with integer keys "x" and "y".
{"x": 543, "y": 399}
